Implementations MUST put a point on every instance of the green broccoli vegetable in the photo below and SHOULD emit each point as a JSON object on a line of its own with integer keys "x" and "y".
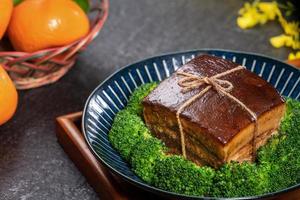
{"x": 290, "y": 123}
{"x": 176, "y": 174}
{"x": 240, "y": 179}
{"x": 277, "y": 165}
{"x": 282, "y": 153}
{"x": 127, "y": 130}
{"x": 134, "y": 103}
{"x": 144, "y": 157}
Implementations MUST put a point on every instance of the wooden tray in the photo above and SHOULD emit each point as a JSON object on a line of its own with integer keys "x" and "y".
{"x": 107, "y": 185}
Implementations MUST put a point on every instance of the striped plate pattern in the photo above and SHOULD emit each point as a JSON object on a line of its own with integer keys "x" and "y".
{"x": 112, "y": 95}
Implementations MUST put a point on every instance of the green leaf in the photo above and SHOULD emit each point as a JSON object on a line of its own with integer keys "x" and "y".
{"x": 16, "y": 2}
{"x": 288, "y": 13}
{"x": 290, "y": 4}
{"x": 84, "y": 4}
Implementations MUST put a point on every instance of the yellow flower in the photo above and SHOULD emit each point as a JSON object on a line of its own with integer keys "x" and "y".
{"x": 248, "y": 16}
{"x": 290, "y": 28}
{"x": 291, "y": 36}
{"x": 248, "y": 20}
{"x": 257, "y": 13}
{"x": 270, "y": 9}
{"x": 294, "y": 56}
{"x": 285, "y": 40}
{"x": 281, "y": 40}
{"x": 261, "y": 12}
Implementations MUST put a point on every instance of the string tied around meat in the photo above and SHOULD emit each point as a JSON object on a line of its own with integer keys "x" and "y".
{"x": 189, "y": 82}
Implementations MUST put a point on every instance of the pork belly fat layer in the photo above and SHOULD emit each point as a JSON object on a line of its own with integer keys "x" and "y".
{"x": 204, "y": 150}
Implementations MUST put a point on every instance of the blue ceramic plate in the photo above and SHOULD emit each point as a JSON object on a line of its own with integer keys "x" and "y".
{"x": 112, "y": 95}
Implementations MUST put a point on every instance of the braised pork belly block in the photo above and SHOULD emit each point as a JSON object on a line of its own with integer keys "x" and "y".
{"x": 216, "y": 128}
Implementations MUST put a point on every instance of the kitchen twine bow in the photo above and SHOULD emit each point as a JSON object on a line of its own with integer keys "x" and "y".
{"x": 223, "y": 87}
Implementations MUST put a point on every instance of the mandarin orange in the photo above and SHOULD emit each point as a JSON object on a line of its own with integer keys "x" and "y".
{"x": 6, "y": 7}
{"x": 40, "y": 24}
{"x": 8, "y": 97}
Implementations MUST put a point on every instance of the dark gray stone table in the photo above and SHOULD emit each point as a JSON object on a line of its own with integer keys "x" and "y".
{"x": 32, "y": 164}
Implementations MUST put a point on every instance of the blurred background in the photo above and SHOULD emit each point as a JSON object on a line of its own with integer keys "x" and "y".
{"x": 32, "y": 164}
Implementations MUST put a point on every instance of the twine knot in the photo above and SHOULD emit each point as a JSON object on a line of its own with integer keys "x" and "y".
{"x": 190, "y": 82}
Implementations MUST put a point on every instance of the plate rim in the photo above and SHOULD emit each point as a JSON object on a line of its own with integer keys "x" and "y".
{"x": 150, "y": 188}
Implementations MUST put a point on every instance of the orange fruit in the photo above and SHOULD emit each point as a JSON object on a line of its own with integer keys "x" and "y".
{"x": 6, "y": 7}
{"x": 8, "y": 97}
{"x": 40, "y": 24}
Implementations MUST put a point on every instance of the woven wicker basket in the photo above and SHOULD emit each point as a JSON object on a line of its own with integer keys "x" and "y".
{"x": 31, "y": 70}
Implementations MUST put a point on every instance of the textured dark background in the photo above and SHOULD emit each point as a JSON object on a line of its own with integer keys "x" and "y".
{"x": 32, "y": 164}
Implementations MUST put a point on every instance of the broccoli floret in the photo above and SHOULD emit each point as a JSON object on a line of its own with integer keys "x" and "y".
{"x": 269, "y": 152}
{"x": 144, "y": 156}
{"x": 176, "y": 174}
{"x": 127, "y": 130}
{"x": 282, "y": 153}
{"x": 135, "y": 100}
{"x": 284, "y": 173}
{"x": 128, "y": 127}
{"x": 290, "y": 123}
{"x": 265, "y": 153}
{"x": 240, "y": 179}
{"x": 284, "y": 165}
